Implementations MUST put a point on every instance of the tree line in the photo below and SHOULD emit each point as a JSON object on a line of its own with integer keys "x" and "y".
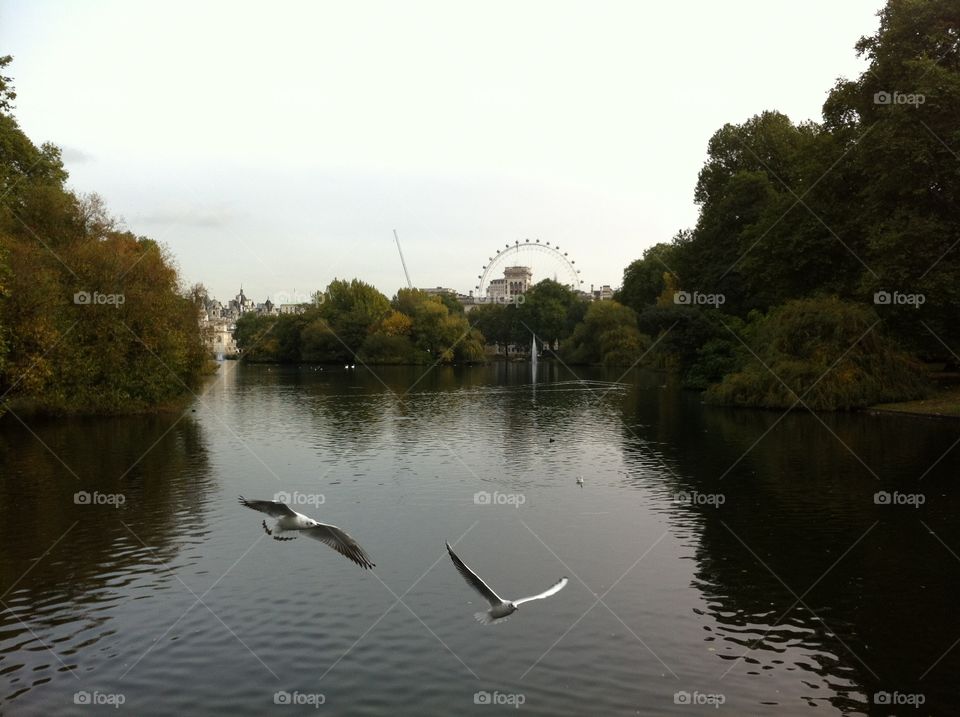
{"x": 823, "y": 270}
{"x": 352, "y": 320}
{"x": 92, "y": 317}
{"x": 825, "y": 262}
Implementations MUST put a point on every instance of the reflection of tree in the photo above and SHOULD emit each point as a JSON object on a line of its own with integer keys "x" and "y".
{"x": 158, "y": 463}
{"x": 798, "y": 500}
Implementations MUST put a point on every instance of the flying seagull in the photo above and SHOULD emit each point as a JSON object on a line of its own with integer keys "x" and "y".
{"x": 499, "y": 608}
{"x": 290, "y": 521}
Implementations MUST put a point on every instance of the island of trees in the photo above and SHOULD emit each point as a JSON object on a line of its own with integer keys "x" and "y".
{"x": 823, "y": 271}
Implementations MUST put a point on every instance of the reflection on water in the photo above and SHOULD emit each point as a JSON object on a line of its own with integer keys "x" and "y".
{"x": 90, "y": 509}
{"x": 737, "y": 555}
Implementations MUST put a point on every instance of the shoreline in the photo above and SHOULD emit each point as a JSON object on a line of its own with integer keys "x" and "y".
{"x": 944, "y": 404}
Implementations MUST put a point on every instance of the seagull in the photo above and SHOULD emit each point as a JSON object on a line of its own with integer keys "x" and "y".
{"x": 288, "y": 520}
{"x": 499, "y": 608}
{"x": 580, "y": 481}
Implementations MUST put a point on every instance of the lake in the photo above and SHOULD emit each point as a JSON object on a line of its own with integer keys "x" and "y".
{"x": 719, "y": 560}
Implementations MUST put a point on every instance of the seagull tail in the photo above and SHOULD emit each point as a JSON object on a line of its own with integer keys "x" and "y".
{"x": 485, "y": 618}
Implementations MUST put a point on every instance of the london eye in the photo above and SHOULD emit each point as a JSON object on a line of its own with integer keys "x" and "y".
{"x": 545, "y": 260}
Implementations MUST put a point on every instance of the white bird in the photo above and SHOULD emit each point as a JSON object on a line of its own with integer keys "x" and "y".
{"x": 579, "y": 480}
{"x": 499, "y": 608}
{"x": 290, "y": 521}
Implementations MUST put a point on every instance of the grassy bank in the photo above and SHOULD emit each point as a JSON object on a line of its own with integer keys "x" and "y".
{"x": 944, "y": 403}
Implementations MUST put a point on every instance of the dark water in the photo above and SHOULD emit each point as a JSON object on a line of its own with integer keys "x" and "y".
{"x": 715, "y": 556}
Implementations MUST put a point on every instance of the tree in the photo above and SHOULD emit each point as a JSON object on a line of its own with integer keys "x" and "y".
{"x": 7, "y": 94}
{"x": 351, "y": 310}
{"x": 831, "y": 353}
{"x": 550, "y": 310}
{"x": 899, "y": 122}
{"x": 608, "y": 334}
{"x": 770, "y": 227}
{"x": 92, "y": 319}
{"x": 643, "y": 279}
{"x": 435, "y": 330}
{"x": 494, "y": 321}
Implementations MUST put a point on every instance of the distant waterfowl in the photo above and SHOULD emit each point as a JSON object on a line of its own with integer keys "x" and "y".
{"x": 580, "y": 480}
{"x": 500, "y": 609}
{"x": 290, "y": 521}
{"x": 551, "y": 440}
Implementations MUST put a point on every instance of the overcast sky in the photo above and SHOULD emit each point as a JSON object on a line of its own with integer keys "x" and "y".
{"x": 279, "y": 144}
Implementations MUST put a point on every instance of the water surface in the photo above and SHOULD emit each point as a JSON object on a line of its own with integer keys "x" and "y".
{"x": 714, "y": 554}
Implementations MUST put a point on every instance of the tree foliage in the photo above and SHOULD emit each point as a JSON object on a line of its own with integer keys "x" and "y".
{"x": 608, "y": 334}
{"x": 92, "y": 318}
{"x": 550, "y": 311}
{"x": 829, "y": 353}
{"x": 352, "y": 321}
{"x": 860, "y": 206}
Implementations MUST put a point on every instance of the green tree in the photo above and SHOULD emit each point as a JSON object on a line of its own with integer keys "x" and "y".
{"x": 351, "y": 309}
{"x": 7, "y": 93}
{"x": 608, "y": 334}
{"x": 643, "y": 279}
{"x": 93, "y": 318}
{"x": 436, "y": 331}
{"x": 550, "y": 310}
{"x": 899, "y": 121}
{"x": 831, "y": 353}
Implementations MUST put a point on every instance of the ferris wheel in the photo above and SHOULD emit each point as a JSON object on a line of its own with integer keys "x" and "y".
{"x": 547, "y": 261}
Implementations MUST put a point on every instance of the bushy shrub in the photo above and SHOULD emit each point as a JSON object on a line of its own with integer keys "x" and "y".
{"x": 828, "y": 352}
{"x": 608, "y": 334}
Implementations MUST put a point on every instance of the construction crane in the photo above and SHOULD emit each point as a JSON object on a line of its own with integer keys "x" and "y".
{"x": 402, "y": 260}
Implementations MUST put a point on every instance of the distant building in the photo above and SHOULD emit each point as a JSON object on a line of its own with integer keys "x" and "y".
{"x": 220, "y": 341}
{"x": 604, "y": 293}
{"x": 437, "y": 291}
{"x": 240, "y": 304}
{"x": 516, "y": 280}
{"x": 218, "y": 321}
{"x": 267, "y": 308}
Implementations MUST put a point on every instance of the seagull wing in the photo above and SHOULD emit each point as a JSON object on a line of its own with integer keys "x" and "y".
{"x": 473, "y": 579}
{"x": 545, "y": 594}
{"x": 271, "y": 507}
{"x": 341, "y": 542}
